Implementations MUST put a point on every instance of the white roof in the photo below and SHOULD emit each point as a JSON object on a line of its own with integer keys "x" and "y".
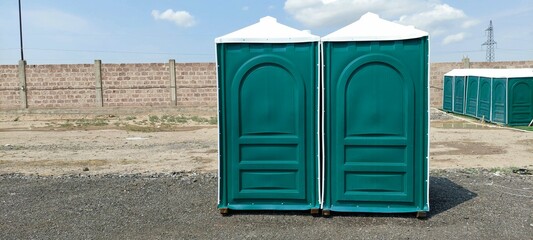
{"x": 370, "y": 27}
{"x": 268, "y": 30}
{"x": 492, "y": 72}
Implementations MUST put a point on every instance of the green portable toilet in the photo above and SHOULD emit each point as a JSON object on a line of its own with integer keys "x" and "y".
{"x": 268, "y": 122}
{"x": 520, "y": 97}
{"x": 376, "y": 118}
{"x": 447, "y": 94}
{"x": 499, "y": 101}
{"x": 459, "y": 83}
{"x": 465, "y": 90}
{"x": 472, "y": 83}
{"x": 484, "y": 98}
{"x": 454, "y": 87}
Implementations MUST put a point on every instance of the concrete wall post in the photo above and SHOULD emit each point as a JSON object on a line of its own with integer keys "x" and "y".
{"x": 22, "y": 83}
{"x": 466, "y": 62}
{"x": 172, "y": 69}
{"x": 98, "y": 79}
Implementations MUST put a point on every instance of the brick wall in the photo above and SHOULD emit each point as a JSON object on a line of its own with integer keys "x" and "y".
{"x": 131, "y": 85}
{"x": 9, "y": 86}
{"x": 196, "y": 84}
{"x": 57, "y": 86}
{"x": 437, "y": 72}
{"x": 135, "y": 85}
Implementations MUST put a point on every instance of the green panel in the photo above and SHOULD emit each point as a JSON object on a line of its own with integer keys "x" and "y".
{"x": 499, "y": 100}
{"x": 520, "y": 101}
{"x": 373, "y": 107}
{"x": 484, "y": 98}
{"x": 268, "y": 117}
{"x": 268, "y": 125}
{"x": 447, "y": 95}
{"x": 279, "y": 182}
{"x": 357, "y": 183}
{"x": 271, "y": 152}
{"x": 459, "y": 94}
{"x": 376, "y": 126}
{"x": 472, "y": 83}
{"x": 374, "y": 154}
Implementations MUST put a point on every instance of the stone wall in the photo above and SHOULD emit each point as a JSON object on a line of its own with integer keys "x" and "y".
{"x": 60, "y": 86}
{"x": 109, "y": 85}
{"x": 71, "y": 86}
{"x": 9, "y": 87}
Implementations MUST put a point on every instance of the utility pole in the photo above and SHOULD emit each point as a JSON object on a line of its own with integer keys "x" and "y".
{"x": 22, "y": 68}
{"x": 490, "y": 43}
{"x": 20, "y": 31}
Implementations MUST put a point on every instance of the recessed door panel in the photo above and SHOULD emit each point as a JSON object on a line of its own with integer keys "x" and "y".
{"x": 268, "y": 105}
{"x": 373, "y": 138}
{"x": 374, "y": 102}
{"x": 268, "y": 102}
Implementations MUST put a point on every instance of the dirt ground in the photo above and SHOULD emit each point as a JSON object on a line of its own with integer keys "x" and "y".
{"x": 41, "y": 144}
{"x": 70, "y": 144}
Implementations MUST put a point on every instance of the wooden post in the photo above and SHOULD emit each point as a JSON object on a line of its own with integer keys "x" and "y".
{"x": 98, "y": 78}
{"x": 23, "y": 88}
{"x": 172, "y": 69}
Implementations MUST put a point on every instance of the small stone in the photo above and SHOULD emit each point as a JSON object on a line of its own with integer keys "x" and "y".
{"x": 85, "y": 169}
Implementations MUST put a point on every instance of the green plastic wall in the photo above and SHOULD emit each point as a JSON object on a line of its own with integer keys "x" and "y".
{"x": 520, "y": 101}
{"x": 447, "y": 95}
{"x": 471, "y": 95}
{"x": 484, "y": 98}
{"x": 268, "y": 126}
{"x": 459, "y": 94}
{"x": 376, "y": 129}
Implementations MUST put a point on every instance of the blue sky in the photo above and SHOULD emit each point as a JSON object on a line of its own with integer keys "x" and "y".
{"x": 139, "y": 31}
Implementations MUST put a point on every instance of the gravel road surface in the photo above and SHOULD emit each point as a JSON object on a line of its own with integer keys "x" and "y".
{"x": 466, "y": 204}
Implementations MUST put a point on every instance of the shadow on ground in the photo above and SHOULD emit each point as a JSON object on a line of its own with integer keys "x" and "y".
{"x": 444, "y": 194}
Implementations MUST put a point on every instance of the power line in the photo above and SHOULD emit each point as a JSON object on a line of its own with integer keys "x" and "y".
{"x": 118, "y": 52}
{"x": 516, "y": 49}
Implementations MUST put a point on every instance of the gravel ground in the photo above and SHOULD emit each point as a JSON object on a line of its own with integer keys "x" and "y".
{"x": 437, "y": 115}
{"x": 466, "y": 204}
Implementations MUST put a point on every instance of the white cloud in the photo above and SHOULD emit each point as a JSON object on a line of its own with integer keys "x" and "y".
{"x": 53, "y": 20}
{"x": 319, "y": 13}
{"x": 180, "y": 18}
{"x": 328, "y": 1}
{"x": 439, "y": 19}
{"x": 453, "y": 38}
{"x": 469, "y": 23}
